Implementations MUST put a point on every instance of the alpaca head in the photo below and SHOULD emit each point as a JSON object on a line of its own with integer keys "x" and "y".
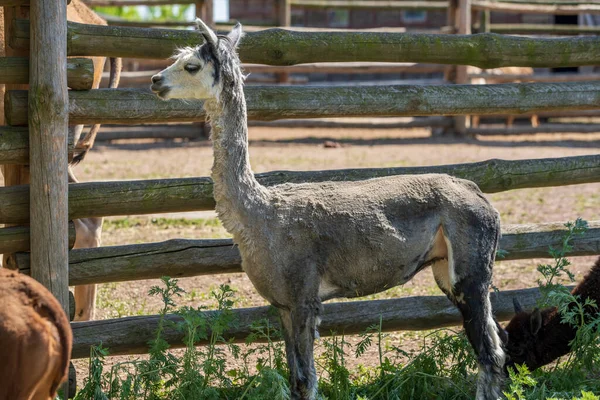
{"x": 204, "y": 71}
{"x": 523, "y": 335}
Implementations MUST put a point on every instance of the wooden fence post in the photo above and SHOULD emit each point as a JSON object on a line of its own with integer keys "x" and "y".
{"x": 48, "y": 126}
{"x": 461, "y": 122}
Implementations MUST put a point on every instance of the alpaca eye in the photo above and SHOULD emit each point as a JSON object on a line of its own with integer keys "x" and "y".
{"x": 191, "y": 68}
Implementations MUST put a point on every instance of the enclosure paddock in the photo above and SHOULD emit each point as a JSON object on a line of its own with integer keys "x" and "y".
{"x": 273, "y": 47}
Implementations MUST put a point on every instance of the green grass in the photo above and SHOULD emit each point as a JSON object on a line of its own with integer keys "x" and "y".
{"x": 444, "y": 367}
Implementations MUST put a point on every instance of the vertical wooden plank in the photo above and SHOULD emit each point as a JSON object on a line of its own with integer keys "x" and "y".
{"x": 450, "y": 70}
{"x": 284, "y": 19}
{"x": 48, "y": 124}
{"x": 461, "y": 122}
{"x": 204, "y": 11}
{"x": 13, "y": 174}
{"x": 284, "y": 13}
{"x": 485, "y": 21}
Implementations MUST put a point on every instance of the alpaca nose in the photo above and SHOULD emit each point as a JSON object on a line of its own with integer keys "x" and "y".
{"x": 157, "y": 78}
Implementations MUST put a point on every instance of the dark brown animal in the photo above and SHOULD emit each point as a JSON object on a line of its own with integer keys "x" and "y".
{"x": 538, "y": 338}
{"x": 35, "y": 339}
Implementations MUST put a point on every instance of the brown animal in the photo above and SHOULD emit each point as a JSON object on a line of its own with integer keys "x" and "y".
{"x": 537, "y": 338}
{"x": 88, "y": 230}
{"x": 502, "y": 71}
{"x": 35, "y": 339}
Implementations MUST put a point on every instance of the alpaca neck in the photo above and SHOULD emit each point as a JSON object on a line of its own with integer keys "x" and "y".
{"x": 237, "y": 193}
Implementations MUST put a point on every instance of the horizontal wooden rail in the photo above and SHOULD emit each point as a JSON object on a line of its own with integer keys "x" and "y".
{"x": 372, "y": 4}
{"x": 14, "y": 145}
{"x": 131, "y": 335}
{"x": 267, "y": 103}
{"x": 16, "y": 238}
{"x": 560, "y": 77}
{"x": 184, "y": 258}
{"x": 544, "y": 128}
{"x": 98, "y": 199}
{"x": 556, "y": 9}
{"x": 80, "y": 72}
{"x": 540, "y": 29}
{"x": 287, "y": 47}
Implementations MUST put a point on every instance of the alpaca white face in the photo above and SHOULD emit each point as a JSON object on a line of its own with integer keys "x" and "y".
{"x": 192, "y": 76}
{"x": 197, "y": 71}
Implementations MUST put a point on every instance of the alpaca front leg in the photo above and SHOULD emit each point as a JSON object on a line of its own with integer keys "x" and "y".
{"x": 299, "y": 333}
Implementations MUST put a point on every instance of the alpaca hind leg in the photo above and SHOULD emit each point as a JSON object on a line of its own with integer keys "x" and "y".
{"x": 471, "y": 296}
{"x": 290, "y": 346}
{"x": 300, "y": 327}
{"x": 465, "y": 277}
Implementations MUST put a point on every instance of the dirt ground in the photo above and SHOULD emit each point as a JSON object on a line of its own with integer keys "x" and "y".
{"x": 303, "y": 149}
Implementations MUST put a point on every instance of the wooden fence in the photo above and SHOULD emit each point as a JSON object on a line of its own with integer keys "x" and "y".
{"x": 282, "y": 47}
{"x": 462, "y": 17}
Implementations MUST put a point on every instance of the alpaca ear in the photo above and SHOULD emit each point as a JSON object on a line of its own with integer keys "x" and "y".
{"x": 535, "y": 321}
{"x": 236, "y": 34}
{"x": 209, "y": 34}
{"x": 517, "y": 305}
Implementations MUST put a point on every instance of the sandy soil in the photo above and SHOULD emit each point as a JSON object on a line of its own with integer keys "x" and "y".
{"x": 303, "y": 149}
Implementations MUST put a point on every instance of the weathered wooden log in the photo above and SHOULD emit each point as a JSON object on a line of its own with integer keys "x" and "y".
{"x": 544, "y": 128}
{"x": 556, "y": 9}
{"x": 14, "y": 145}
{"x": 176, "y": 258}
{"x": 267, "y": 103}
{"x": 287, "y": 47}
{"x": 184, "y": 258}
{"x": 372, "y": 4}
{"x": 131, "y": 335}
{"x": 80, "y": 72}
{"x": 16, "y": 238}
{"x": 543, "y": 29}
{"x": 48, "y": 127}
{"x": 97, "y": 199}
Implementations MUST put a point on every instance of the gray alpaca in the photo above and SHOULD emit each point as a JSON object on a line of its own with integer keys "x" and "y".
{"x": 302, "y": 244}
